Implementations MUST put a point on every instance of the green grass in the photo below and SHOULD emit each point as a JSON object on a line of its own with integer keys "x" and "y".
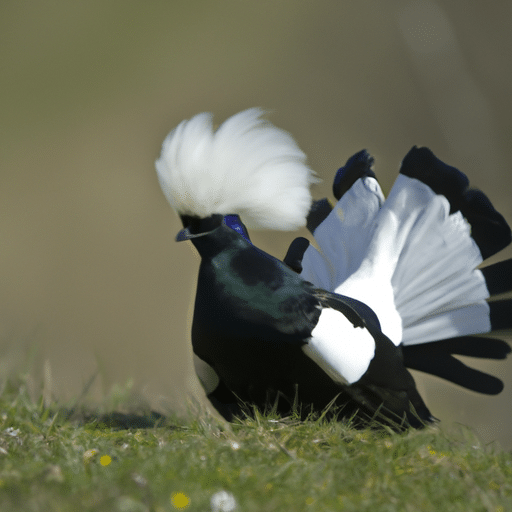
{"x": 48, "y": 462}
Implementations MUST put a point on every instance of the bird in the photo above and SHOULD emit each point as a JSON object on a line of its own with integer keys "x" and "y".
{"x": 393, "y": 284}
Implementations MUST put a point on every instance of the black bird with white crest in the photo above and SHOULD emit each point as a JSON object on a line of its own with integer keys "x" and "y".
{"x": 394, "y": 283}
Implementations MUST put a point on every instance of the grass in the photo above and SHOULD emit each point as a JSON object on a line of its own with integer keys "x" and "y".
{"x": 51, "y": 462}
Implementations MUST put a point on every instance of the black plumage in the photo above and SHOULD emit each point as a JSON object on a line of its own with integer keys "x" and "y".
{"x": 252, "y": 317}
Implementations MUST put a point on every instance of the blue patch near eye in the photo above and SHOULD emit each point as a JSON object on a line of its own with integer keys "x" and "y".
{"x": 234, "y": 222}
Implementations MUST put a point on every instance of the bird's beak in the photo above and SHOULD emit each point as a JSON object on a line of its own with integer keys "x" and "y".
{"x": 196, "y": 227}
{"x": 184, "y": 234}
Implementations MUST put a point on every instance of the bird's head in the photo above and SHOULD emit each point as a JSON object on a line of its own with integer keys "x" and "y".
{"x": 194, "y": 227}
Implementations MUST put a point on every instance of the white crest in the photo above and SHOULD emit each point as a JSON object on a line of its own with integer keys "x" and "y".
{"x": 246, "y": 167}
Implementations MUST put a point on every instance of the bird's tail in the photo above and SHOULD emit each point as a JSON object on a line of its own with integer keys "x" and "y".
{"x": 246, "y": 167}
{"x": 414, "y": 259}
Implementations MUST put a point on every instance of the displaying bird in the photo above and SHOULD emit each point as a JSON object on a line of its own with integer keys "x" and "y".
{"x": 390, "y": 276}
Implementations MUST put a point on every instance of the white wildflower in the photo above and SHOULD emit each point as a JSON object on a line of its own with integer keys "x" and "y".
{"x": 223, "y": 501}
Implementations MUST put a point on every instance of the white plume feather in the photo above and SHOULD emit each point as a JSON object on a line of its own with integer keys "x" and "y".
{"x": 246, "y": 167}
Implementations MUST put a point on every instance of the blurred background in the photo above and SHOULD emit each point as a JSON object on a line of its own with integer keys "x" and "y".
{"x": 92, "y": 283}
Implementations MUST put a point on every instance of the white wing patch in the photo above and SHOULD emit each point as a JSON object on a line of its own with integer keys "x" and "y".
{"x": 343, "y": 351}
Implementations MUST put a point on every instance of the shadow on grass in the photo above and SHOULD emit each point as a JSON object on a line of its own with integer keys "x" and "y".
{"x": 118, "y": 420}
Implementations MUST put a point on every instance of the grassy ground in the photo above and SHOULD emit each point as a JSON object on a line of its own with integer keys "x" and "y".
{"x": 48, "y": 462}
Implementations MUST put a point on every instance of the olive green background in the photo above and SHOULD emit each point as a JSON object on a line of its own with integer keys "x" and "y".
{"x": 90, "y": 277}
